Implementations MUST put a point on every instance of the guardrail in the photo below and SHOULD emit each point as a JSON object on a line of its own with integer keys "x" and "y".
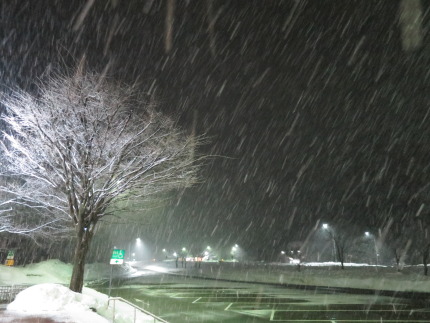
{"x": 8, "y": 293}
{"x": 156, "y": 318}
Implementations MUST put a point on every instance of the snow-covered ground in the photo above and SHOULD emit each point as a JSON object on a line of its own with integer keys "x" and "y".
{"x": 58, "y": 302}
{"x": 50, "y": 298}
{"x": 362, "y": 276}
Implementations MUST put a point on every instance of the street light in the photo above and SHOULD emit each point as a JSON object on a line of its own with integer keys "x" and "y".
{"x": 327, "y": 228}
{"x": 138, "y": 250}
{"x": 369, "y": 235}
{"x": 233, "y": 251}
{"x": 138, "y": 243}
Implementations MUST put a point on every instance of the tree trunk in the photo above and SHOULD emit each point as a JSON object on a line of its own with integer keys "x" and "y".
{"x": 397, "y": 258}
{"x": 425, "y": 260}
{"x": 81, "y": 250}
{"x": 340, "y": 254}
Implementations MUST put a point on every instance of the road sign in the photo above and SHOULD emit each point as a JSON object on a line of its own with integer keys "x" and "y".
{"x": 10, "y": 255}
{"x": 10, "y": 262}
{"x": 10, "y": 258}
{"x": 117, "y": 257}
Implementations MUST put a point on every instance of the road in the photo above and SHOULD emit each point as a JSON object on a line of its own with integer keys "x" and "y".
{"x": 180, "y": 299}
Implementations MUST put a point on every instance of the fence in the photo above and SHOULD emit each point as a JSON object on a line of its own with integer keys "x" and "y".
{"x": 8, "y": 293}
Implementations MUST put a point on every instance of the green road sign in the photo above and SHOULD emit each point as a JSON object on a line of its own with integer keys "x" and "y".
{"x": 117, "y": 257}
{"x": 10, "y": 254}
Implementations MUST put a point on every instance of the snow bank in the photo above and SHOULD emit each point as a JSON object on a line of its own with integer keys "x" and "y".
{"x": 50, "y": 298}
{"x": 50, "y": 271}
{"x": 55, "y": 271}
{"x": 56, "y": 301}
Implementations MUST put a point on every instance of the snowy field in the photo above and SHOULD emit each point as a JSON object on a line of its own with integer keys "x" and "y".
{"x": 363, "y": 276}
{"x": 51, "y": 299}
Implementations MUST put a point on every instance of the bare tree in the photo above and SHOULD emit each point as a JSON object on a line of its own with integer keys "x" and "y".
{"x": 341, "y": 243}
{"x": 423, "y": 223}
{"x": 84, "y": 145}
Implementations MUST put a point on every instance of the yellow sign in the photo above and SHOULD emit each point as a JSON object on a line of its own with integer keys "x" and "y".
{"x": 10, "y": 262}
{"x": 10, "y": 258}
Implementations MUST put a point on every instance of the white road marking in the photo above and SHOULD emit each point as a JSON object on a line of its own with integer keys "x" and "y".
{"x": 226, "y": 309}
{"x": 197, "y": 300}
{"x": 272, "y": 315}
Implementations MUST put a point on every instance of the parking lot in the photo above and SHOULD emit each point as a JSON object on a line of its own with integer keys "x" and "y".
{"x": 210, "y": 301}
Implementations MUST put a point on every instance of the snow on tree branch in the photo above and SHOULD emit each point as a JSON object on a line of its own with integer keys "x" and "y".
{"x": 85, "y": 143}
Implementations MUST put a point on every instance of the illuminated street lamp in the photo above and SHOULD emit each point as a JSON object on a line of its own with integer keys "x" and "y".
{"x": 327, "y": 228}
{"x": 235, "y": 251}
{"x": 138, "y": 242}
{"x": 369, "y": 235}
{"x": 138, "y": 249}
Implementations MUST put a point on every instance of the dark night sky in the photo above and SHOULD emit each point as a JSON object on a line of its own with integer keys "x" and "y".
{"x": 317, "y": 111}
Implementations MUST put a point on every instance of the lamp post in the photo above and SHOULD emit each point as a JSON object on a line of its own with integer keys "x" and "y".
{"x": 137, "y": 250}
{"x": 327, "y": 228}
{"x": 235, "y": 252}
{"x": 375, "y": 245}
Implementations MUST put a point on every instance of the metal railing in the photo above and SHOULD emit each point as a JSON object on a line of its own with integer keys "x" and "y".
{"x": 156, "y": 318}
{"x": 8, "y": 293}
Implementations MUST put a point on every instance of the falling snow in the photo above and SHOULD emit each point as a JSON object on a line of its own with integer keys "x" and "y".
{"x": 312, "y": 112}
